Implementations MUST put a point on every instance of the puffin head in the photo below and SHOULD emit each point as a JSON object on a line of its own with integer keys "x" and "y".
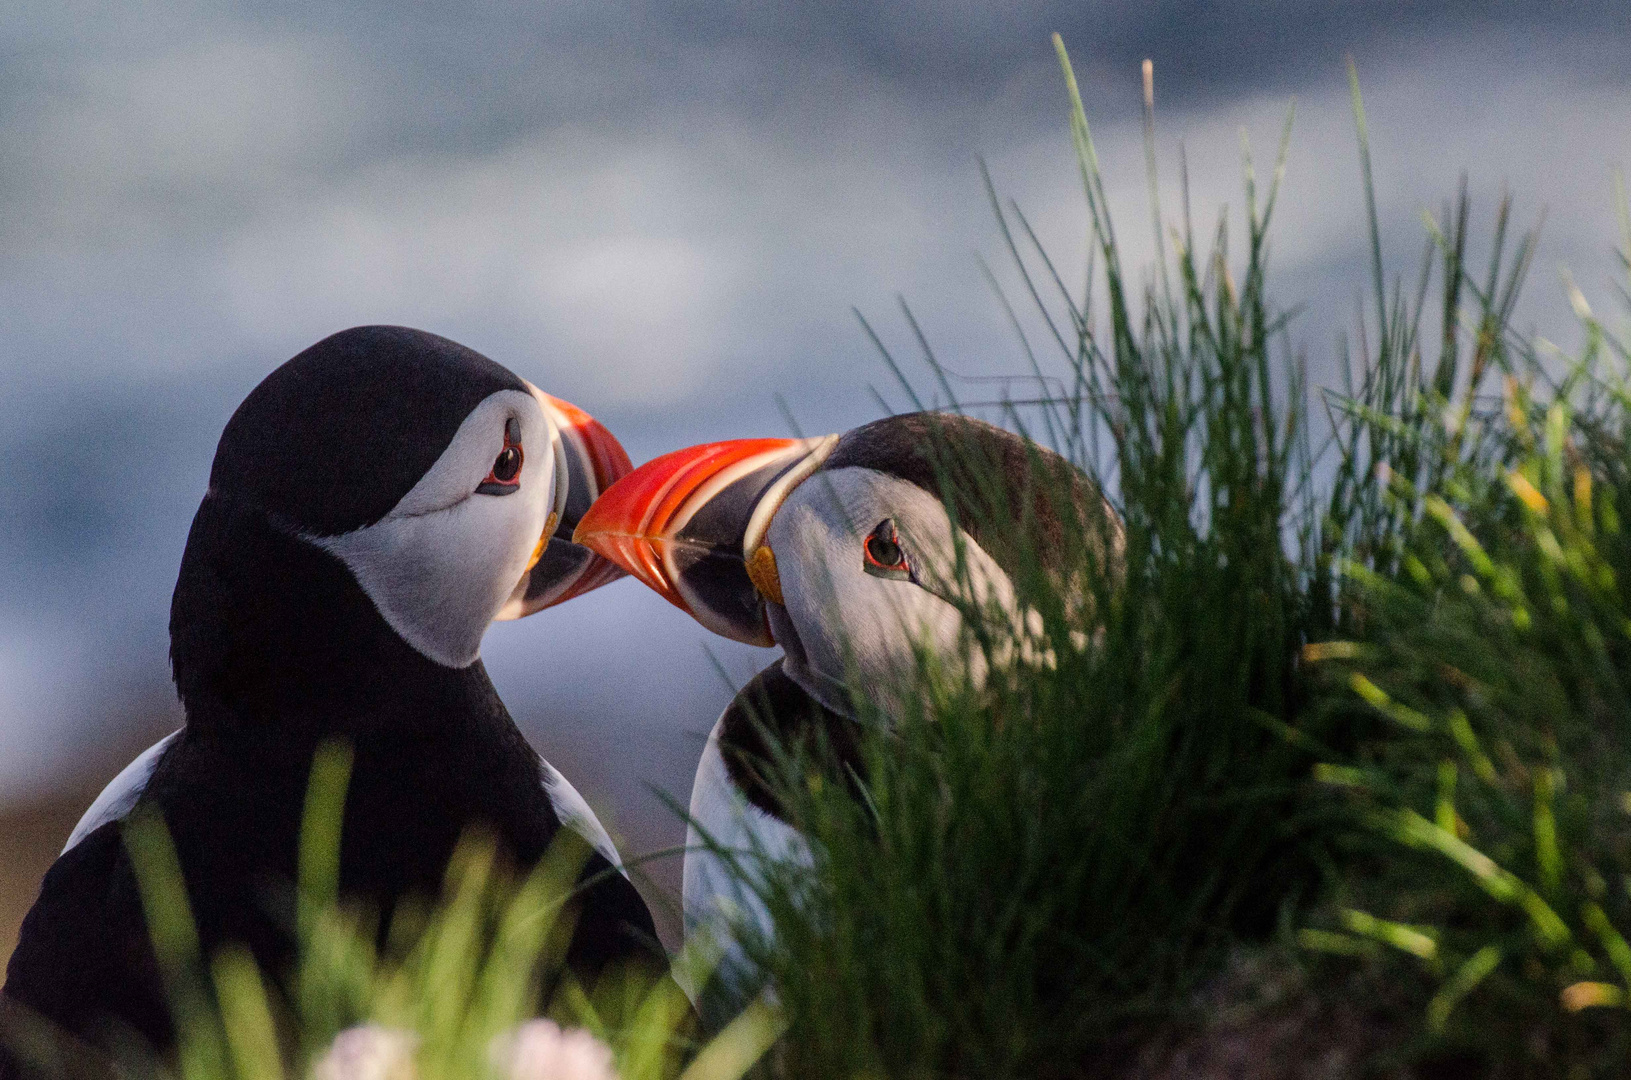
{"x": 853, "y": 552}
{"x": 445, "y": 483}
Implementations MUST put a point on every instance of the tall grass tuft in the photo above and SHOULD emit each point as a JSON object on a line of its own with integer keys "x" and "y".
{"x": 1493, "y": 785}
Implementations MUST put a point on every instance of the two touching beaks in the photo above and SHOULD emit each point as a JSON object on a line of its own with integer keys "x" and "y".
{"x": 691, "y": 525}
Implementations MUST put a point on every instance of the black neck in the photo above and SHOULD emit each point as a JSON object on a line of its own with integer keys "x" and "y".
{"x": 773, "y": 716}
{"x": 273, "y": 644}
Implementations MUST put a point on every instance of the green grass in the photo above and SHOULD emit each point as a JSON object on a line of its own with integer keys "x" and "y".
{"x": 1496, "y": 659}
{"x": 1359, "y": 709}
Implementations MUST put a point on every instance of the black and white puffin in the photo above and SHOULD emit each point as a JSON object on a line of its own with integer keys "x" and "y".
{"x": 840, "y": 550}
{"x": 374, "y": 504}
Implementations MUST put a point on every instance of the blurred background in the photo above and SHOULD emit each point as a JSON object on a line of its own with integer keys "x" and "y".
{"x": 665, "y": 212}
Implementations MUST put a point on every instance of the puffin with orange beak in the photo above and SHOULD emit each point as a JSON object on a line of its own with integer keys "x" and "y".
{"x": 374, "y": 504}
{"x": 842, "y": 550}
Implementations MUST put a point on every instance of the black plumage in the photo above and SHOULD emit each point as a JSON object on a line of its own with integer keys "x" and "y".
{"x": 333, "y": 438}
{"x": 773, "y": 715}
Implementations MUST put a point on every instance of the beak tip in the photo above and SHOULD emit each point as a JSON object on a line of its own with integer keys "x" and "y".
{"x": 589, "y": 540}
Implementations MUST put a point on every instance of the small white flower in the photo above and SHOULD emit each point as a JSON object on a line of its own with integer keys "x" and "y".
{"x": 539, "y": 1050}
{"x": 368, "y": 1052}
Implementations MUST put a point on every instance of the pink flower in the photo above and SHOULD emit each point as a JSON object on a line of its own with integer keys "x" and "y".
{"x": 539, "y": 1050}
{"x": 368, "y": 1052}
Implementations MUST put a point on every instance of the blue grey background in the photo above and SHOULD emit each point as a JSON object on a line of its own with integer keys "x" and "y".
{"x": 664, "y": 212}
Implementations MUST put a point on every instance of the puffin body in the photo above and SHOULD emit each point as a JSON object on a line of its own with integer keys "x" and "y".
{"x": 374, "y": 504}
{"x": 842, "y": 550}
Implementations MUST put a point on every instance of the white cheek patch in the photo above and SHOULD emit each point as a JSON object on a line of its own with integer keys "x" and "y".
{"x": 853, "y": 625}
{"x": 978, "y": 581}
{"x": 442, "y": 563}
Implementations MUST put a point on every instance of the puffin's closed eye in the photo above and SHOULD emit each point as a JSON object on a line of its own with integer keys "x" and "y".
{"x": 505, "y": 475}
{"x": 881, "y": 553}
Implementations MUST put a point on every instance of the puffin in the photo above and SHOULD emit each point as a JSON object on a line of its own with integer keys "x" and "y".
{"x": 373, "y": 505}
{"x": 851, "y": 552}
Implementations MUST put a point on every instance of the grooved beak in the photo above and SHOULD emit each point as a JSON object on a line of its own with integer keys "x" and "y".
{"x": 691, "y": 525}
{"x": 588, "y": 460}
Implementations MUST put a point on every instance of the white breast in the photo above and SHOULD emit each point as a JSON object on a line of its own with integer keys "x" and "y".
{"x": 721, "y": 904}
{"x": 119, "y": 797}
{"x": 573, "y": 811}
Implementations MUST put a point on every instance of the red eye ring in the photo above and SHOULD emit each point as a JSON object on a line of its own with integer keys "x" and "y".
{"x": 505, "y": 475}
{"x": 882, "y": 554}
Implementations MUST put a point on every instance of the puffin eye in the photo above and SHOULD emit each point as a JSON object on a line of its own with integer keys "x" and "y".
{"x": 507, "y": 466}
{"x": 505, "y": 475}
{"x": 881, "y": 554}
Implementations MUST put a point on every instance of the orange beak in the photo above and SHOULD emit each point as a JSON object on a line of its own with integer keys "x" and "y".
{"x": 588, "y": 460}
{"x": 691, "y": 525}
{"x": 604, "y": 456}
